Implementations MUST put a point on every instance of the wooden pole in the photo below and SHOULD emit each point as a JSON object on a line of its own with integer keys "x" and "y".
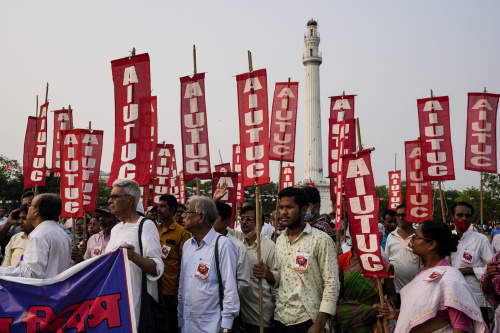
{"x": 195, "y": 71}
{"x": 381, "y": 295}
{"x": 194, "y": 59}
{"x": 84, "y": 226}
{"x": 275, "y": 237}
{"x": 220, "y": 156}
{"x": 47, "y": 93}
{"x": 481, "y": 203}
{"x": 395, "y": 161}
{"x": 360, "y": 146}
{"x": 258, "y": 226}
{"x": 442, "y": 202}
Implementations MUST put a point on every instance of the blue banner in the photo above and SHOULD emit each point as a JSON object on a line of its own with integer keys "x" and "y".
{"x": 92, "y": 296}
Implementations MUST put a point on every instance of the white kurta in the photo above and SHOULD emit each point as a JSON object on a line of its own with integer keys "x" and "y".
{"x": 47, "y": 254}
{"x": 127, "y": 233}
{"x": 474, "y": 250}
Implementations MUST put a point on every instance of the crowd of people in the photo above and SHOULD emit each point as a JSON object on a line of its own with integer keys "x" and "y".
{"x": 210, "y": 275}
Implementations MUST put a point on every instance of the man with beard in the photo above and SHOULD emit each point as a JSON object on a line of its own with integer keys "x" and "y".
{"x": 306, "y": 270}
{"x": 172, "y": 239}
{"x": 18, "y": 242}
{"x": 474, "y": 252}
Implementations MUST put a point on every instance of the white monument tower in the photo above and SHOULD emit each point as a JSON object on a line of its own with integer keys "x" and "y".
{"x": 313, "y": 158}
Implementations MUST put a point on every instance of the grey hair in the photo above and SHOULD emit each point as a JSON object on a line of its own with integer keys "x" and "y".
{"x": 130, "y": 187}
{"x": 206, "y": 206}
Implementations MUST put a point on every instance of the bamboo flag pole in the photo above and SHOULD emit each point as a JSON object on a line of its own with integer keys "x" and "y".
{"x": 258, "y": 226}
{"x": 481, "y": 196}
{"x": 379, "y": 280}
{"x": 220, "y": 156}
{"x": 35, "y": 189}
{"x": 195, "y": 71}
{"x": 395, "y": 162}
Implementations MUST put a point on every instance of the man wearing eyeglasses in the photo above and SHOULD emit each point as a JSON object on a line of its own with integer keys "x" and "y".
{"x": 48, "y": 252}
{"x": 250, "y": 300}
{"x": 201, "y": 307}
{"x": 400, "y": 253}
{"x": 474, "y": 252}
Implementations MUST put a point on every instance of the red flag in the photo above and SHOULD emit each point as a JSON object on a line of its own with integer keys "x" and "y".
{"x": 231, "y": 179}
{"x": 174, "y": 179}
{"x": 132, "y": 154}
{"x": 341, "y": 107}
{"x": 283, "y": 122}
{"x": 394, "y": 189}
{"x": 310, "y": 184}
{"x": 194, "y": 128}
{"x": 154, "y": 135}
{"x": 254, "y": 127}
{"x": 182, "y": 188}
{"x": 481, "y": 142}
{"x": 418, "y": 190}
{"x": 61, "y": 122}
{"x": 363, "y": 214}
{"x": 287, "y": 176}
{"x": 71, "y": 173}
{"x": 29, "y": 149}
{"x": 36, "y": 174}
{"x": 340, "y": 178}
{"x": 9, "y": 167}
{"x": 224, "y": 167}
{"x": 237, "y": 168}
{"x": 161, "y": 183}
{"x": 435, "y": 136}
{"x": 91, "y": 144}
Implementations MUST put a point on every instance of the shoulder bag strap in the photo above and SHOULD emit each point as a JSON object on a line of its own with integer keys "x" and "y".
{"x": 159, "y": 283}
{"x": 221, "y": 288}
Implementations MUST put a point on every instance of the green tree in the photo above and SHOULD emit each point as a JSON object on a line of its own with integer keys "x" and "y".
{"x": 11, "y": 183}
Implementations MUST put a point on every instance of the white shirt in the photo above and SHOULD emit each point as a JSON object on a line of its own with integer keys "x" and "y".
{"x": 47, "y": 254}
{"x": 479, "y": 248}
{"x": 128, "y": 233}
{"x": 496, "y": 243}
{"x": 267, "y": 230}
{"x": 242, "y": 266}
{"x": 249, "y": 302}
{"x": 405, "y": 262}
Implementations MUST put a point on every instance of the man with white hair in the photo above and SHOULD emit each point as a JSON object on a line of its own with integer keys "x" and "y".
{"x": 123, "y": 203}
{"x": 204, "y": 304}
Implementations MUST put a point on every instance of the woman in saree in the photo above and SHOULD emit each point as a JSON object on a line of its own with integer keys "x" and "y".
{"x": 358, "y": 308}
{"x": 490, "y": 285}
{"x": 438, "y": 299}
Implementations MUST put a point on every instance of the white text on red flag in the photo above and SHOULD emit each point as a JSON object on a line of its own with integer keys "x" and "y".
{"x": 61, "y": 122}
{"x": 394, "y": 189}
{"x": 254, "y": 127}
{"x": 29, "y": 149}
{"x": 194, "y": 128}
{"x": 132, "y": 151}
{"x": 283, "y": 122}
{"x": 287, "y": 177}
{"x": 435, "y": 137}
{"x": 71, "y": 174}
{"x": 161, "y": 183}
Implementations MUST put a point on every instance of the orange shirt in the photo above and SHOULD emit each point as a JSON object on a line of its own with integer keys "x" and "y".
{"x": 171, "y": 243}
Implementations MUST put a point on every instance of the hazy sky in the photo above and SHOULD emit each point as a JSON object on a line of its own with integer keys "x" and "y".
{"x": 389, "y": 53}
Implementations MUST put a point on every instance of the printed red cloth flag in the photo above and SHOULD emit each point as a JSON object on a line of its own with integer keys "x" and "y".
{"x": 339, "y": 178}
{"x": 481, "y": 139}
{"x": 254, "y": 127}
{"x": 394, "y": 189}
{"x": 91, "y": 144}
{"x": 237, "y": 168}
{"x": 224, "y": 167}
{"x": 182, "y": 188}
{"x": 154, "y": 135}
{"x": 418, "y": 190}
{"x": 174, "y": 178}
{"x": 29, "y": 145}
{"x": 287, "y": 177}
{"x": 341, "y": 107}
{"x": 194, "y": 128}
{"x": 283, "y": 122}
{"x": 145, "y": 197}
{"x": 363, "y": 214}
{"x": 132, "y": 152}
{"x": 36, "y": 175}
{"x": 9, "y": 167}
{"x": 71, "y": 173}
{"x": 231, "y": 179}
{"x": 310, "y": 184}
{"x": 61, "y": 122}
{"x": 161, "y": 183}
{"x": 435, "y": 136}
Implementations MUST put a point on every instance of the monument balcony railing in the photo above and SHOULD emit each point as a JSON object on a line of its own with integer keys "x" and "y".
{"x": 316, "y": 54}
{"x": 308, "y": 35}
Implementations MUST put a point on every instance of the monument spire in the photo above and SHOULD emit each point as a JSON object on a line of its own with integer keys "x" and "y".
{"x": 313, "y": 159}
